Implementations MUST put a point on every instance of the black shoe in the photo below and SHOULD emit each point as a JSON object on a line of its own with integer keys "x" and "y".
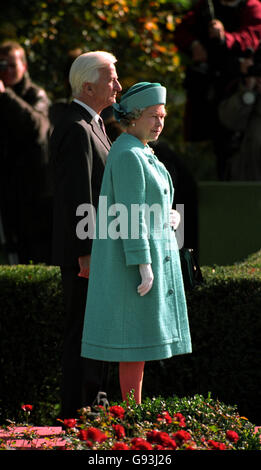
{"x": 101, "y": 400}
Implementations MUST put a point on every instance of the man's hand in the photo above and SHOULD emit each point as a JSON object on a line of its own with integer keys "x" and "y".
{"x": 199, "y": 52}
{"x": 216, "y": 30}
{"x": 84, "y": 263}
{"x": 2, "y": 86}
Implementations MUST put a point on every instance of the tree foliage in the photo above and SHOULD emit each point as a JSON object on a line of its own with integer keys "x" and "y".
{"x": 138, "y": 32}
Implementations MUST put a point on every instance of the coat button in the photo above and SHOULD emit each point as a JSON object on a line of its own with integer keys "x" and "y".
{"x": 165, "y": 191}
{"x": 150, "y": 161}
{"x": 167, "y": 258}
{"x": 170, "y": 291}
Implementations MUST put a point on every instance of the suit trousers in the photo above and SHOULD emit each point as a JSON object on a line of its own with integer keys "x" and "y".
{"x": 82, "y": 378}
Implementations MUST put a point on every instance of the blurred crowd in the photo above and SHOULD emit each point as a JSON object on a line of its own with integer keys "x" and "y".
{"x": 219, "y": 42}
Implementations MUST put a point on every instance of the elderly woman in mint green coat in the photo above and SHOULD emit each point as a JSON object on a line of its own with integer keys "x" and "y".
{"x": 136, "y": 308}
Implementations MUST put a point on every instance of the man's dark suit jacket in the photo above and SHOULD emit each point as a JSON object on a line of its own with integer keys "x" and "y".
{"x": 78, "y": 150}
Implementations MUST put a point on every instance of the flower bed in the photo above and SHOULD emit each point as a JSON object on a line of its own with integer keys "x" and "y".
{"x": 195, "y": 423}
{"x": 174, "y": 424}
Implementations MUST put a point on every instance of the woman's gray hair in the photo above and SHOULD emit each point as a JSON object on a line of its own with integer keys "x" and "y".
{"x": 126, "y": 120}
{"x": 86, "y": 67}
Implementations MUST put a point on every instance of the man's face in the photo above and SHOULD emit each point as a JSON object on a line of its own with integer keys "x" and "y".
{"x": 15, "y": 69}
{"x": 106, "y": 88}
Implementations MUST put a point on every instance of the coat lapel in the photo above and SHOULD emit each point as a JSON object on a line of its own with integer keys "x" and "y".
{"x": 94, "y": 126}
{"x": 100, "y": 134}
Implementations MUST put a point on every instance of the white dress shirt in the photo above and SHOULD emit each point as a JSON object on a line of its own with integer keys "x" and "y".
{"x": 93, "y": 113}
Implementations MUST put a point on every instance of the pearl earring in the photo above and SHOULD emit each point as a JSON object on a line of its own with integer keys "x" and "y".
{"x": 133, "y": 124}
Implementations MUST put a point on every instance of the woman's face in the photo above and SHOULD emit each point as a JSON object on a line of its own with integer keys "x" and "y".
{"x": 149, "y": 125}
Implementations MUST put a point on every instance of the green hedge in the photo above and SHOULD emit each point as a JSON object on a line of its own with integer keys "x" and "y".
{"x": 224, "y": 318}
{"x": 31, "y": 326}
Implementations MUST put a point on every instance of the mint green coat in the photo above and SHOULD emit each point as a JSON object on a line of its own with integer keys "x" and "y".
{"x": 119, "y": 324}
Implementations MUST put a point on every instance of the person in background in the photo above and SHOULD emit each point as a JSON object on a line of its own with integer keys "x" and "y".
{"x": 240, "y": 113}
{"x": 24, "y": 130}
{"x": 136, "y": 308}
{"x": 212, "y": 36}
{"x": 78, "y": 149}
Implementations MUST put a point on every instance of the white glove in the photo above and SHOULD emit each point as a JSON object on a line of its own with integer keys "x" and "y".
{"x": 174, "y": 218}
{"x": 146, "y": 279}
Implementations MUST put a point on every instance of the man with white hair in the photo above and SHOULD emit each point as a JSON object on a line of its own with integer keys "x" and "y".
{"x": 79, "y": 147}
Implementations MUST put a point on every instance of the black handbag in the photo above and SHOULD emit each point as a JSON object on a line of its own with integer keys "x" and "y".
{"x": 191, "y": 272}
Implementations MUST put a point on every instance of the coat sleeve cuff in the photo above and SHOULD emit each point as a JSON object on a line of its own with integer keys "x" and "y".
{"x": 138, "y": 257}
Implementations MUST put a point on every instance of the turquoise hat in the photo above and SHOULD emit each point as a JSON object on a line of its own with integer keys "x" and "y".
{"x": 140, "y": 96}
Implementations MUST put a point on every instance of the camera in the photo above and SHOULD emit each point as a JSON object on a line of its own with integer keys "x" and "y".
{"x": 3, "y": 65}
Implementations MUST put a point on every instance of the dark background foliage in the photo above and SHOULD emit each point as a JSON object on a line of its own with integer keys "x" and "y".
{"x": 138, "y": 32}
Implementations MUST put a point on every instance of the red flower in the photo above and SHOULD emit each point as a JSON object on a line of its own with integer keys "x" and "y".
{"x": 120, "y": 446}
{"x": 83, "y": 436}
{"x": 232, "y": 436}
{"x": 216, "y": 445}
{"x": 70, "y": 423}
{"x": 162, "y": 439}
{"x": 100, "y": 407}
{"x": 117, "y": 411}
{"x": 138, "y": 443}
{"x": 165, "y": 416}
{"x": 92, "y": 434}
{"x": 181, "y": 419}
{"x": 165, "y": 440}
{"x": 119, "y": 430}
{"x": 27, "y": 407}
{"x": 152, "y": 436}
{"x": 182, "y": 436}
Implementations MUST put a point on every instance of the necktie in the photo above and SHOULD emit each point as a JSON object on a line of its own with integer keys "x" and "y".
{"x": 101, "y": 123}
